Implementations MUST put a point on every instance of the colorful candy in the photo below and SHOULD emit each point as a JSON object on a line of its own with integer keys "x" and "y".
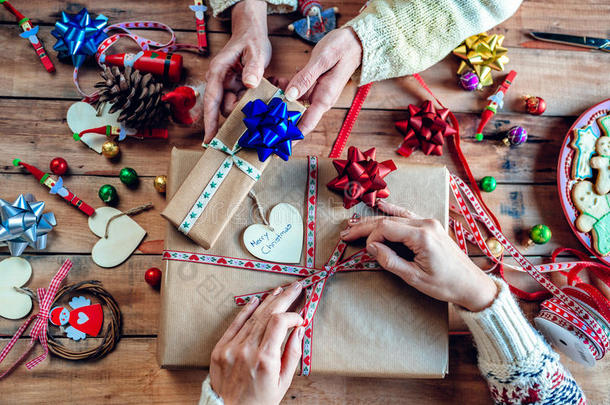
{"x": 516, "y": 136}
{"x": 488, "y": 184}
{"x": 153, "y": 277}
{"x": 540, "y": 234}
{"x": 160, "y": 183}
{"x": 535, "y": 105}
{"x": 108, "y": 194}
{"x": 58, "y": 166}
{"x": 469, "y": 81}
{"x": 110, "y": 149}
{"x": 128, "y": 176}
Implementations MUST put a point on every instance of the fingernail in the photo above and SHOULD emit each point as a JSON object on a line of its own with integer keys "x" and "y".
{"x": 253, "y": 301}
{"x": 251, "y": 80}
{"x": 296, "y": 285}
{"x": 278, "y": 290}
{"x": 353, "y": 221}
{"x": 292, "y": 94}
{"x": 344, "y": 233}
{"x": 372, "y": 249}
{"x": 301, "y": 332}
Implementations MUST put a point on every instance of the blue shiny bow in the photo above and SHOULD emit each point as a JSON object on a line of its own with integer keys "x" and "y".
{"x": 23, "y": 224}
{"x": 78, "y": 36}
{"x": 271, "y": 128}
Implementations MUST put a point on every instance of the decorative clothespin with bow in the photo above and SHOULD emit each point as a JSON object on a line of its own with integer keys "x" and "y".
{"x": 202, "y": 39}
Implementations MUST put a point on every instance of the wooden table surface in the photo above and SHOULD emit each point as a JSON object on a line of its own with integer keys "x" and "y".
{"x": 33, "y": 107}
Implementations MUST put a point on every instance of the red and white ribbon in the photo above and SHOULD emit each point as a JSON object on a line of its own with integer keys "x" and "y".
{"x": 39, "y": 331}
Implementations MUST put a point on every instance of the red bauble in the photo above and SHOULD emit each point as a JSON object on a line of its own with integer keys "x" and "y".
{"x": 535, "y": 105}
{"x": 153, "y": 277}
{"x": 58, "y": 166}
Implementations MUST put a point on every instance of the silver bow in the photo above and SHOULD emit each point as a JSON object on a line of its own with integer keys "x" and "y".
{"x": 23, "y": 224}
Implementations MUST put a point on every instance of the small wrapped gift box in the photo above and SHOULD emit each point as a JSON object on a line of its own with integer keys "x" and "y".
{"x": 221, "y": 179}
{"x": 368, "y": 323}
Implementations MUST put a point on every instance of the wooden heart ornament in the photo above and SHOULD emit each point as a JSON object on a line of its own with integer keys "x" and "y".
{"x": 82, "y": 116}
{"x": 14, "y": 272}
{"x": 124, "y": 236}
{"x": 280, "y": 241}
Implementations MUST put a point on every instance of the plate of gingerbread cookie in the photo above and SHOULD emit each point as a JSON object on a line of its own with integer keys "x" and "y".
{"x": 583, "y": 179}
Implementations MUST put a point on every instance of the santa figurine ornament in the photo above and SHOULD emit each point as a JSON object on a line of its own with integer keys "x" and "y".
{"x": 84, "y": 319}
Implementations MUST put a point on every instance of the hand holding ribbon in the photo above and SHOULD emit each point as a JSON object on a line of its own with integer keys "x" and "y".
{"x": 360, "y": 177}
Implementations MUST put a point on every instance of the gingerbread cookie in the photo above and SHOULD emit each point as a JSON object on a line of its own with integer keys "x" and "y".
{"x": 602, "y": 164}
{"x": 584, "y": 146}
{"x": 595, "y": 215}
{"x": 604, "y": 124}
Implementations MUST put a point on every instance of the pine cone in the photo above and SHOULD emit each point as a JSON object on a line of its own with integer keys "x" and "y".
{"x": 137, "y": 96}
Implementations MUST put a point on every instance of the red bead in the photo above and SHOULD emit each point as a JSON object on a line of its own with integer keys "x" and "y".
{"x": 58, "y": 166}
{"x": 153, "y": 277}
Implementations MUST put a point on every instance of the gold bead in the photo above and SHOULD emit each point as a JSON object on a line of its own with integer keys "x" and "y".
{"x": 160, "y": 183}
{"x": 110, "y": 149}
{"x": 494, "y": 246}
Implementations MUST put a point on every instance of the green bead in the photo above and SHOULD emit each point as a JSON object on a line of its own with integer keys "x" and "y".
{"x": 108, "y": 194}
{"x": 478, "y": 137}
{"x": 488, "y": 184}
{"x": 540, "y": 234}
{"x": 128, "y": 176}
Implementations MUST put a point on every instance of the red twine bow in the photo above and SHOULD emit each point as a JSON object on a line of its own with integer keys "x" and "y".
{"x": 426, "y": 127}
{"x": 360, "y": 177}
{"x": 39, "y": 331}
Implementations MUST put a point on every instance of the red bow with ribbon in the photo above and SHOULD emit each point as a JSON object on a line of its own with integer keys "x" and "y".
{"x": 39, "y": 331}
{"x": 426, "y": 127}
{"x": 360, "y": 177}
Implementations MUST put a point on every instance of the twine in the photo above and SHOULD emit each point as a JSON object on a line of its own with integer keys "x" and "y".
{"x": 259, "y": 206}
{"x": 132, "y": 211}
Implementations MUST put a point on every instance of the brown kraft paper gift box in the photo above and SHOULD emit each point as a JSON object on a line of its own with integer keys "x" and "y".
{"x": 369, "y": 323}
{"x": 234, "y": 188}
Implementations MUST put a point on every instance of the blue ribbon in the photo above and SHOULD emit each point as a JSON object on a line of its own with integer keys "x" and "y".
{"x": 23, "y": 224}
{"x": 78, "y": 36}
{"x": 271, "y": 128}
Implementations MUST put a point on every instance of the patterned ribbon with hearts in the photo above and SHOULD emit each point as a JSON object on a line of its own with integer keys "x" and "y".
{"x": 39, "y": 331}
{"x": 145, "y": 44}
{"x": 563, "y": 309}
{"x": 216, "y": 180}
{"x": 314, "y": 279}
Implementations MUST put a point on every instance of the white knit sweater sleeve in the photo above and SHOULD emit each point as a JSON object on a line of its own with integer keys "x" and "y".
{"x": 520, "y": 367}
{"x": 208, "y": 396}
{"x": 273, "y": 6}
{"x": 402, "y": 37}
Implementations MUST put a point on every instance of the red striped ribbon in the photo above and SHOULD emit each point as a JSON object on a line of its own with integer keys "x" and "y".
{"x": 39, "y": 331}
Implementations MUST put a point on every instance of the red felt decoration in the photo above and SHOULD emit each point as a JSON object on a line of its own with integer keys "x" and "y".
{"x": 360, "y": 177}
{"x": 426, "y": 127}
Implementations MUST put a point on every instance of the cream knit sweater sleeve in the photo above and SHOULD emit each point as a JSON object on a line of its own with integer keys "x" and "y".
{"x": 519, "y": 366}
{"x": 402, "y": 37}
{"x": 273, "y": 6}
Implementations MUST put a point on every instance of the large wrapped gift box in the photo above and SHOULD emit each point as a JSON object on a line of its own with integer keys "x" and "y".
{"x": 368, "y": 323}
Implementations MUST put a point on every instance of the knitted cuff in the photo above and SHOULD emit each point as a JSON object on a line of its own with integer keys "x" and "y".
{"x": 220, "y": 8}
{"x": 501, "y": 332}
{"x": 208, "y": 396}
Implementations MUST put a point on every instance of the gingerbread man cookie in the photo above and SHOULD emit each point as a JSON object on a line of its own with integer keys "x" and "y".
{"x": 595, "y": 215}
{"x": 583, "y": 144}
{"x": 602, "y": 164}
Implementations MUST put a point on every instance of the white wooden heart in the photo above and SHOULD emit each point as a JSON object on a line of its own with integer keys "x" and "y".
{"x": 14, "y": 272}
{"x": 82, "y": 116}
{"x": 124, "y": 236}
{"x": 282, "y": 240}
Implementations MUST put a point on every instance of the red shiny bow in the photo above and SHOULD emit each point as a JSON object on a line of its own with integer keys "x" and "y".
{"x": 426, "y": 127}
{"x": 360, "y": 177}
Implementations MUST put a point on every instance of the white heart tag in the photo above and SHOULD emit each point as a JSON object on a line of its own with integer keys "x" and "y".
{"x": 14, "y": 272}
{"x": 82, "y": 318}
{"x": 282, "y": 240}
{"x": 124, "y": 236}
{"x": 82, "y": 116}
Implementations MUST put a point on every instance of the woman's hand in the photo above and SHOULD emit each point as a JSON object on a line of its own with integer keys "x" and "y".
{"x": 248, "y": 365}
{"x": 440, "y": 269}
{"x": 333, "y": 61}
{"x": 240, "y": 63}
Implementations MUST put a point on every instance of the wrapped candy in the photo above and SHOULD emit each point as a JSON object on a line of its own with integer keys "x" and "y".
{"x": 271, "y": 128}
{"x": 515, "y": 136}
{"x": 535, "y": 105}
{"x": 482, "y": 53}
{"x": 360, "y": 177}
{"x": 469, "y": 81}
{"x": 426, "y": 127}
{"x": 23, "y": 224}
